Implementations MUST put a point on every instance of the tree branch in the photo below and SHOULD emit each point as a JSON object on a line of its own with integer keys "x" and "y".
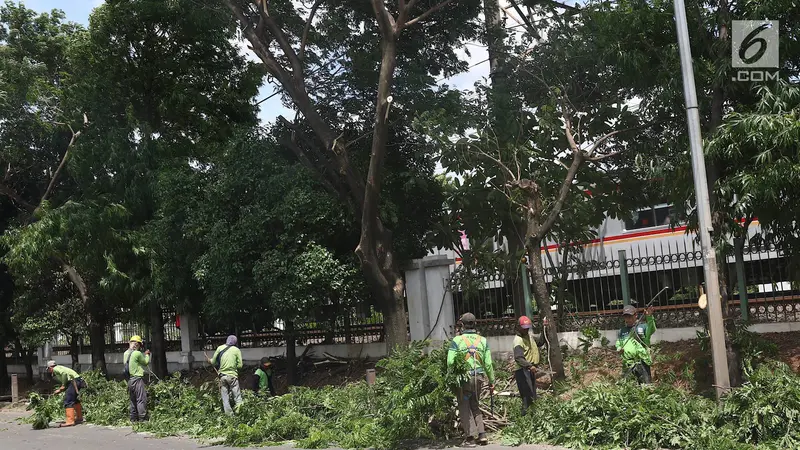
{"x": 386, "y": 22}
{"x": 72, "y": 140}
{"x": 577, "y": 160}
{"x": 427, "y": 13}
{"x": 606, "y": 137}
{"x": 259, "y": 48}
{"x": 481, "y": 153}
{"x": 569, "y": 133}
{"x": 524, "y": 18}
{"x": 602, "y": 157}
{"x": 283, "y": 42}
{"x": 301, "y": 155}
{"x": 302, "y": 52}
{"x": 324, "y": 166}
{"x": 14, "y": 196}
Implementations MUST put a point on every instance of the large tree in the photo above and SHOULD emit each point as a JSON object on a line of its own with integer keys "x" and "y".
{"x": 277, "y": 246}
{"x": 328, "y": 71}
{"x": 168, "y": 87}
{"x": 42, "y": 124}
{"x": 636, "y": 43}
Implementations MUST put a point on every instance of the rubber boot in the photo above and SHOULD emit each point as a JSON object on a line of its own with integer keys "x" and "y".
{"x": 70, "y": 413}
{"x": 78, "y": 414}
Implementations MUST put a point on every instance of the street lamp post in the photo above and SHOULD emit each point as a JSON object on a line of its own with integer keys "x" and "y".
{"x": 716, "y": 329}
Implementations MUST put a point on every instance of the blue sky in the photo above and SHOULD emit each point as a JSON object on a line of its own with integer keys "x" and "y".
{"x": 79, "y": 10}
{"x": 76, "y": 10}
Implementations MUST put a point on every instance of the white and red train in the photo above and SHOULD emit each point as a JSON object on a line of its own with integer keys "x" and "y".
{"x": 658, "y": 254}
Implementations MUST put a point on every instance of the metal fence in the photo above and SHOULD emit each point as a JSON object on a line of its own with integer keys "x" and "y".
{"x": 590, "y": 292}
{"x": 355, "y": 328}
{"x": 118, "y": 335}
{"x": 360, "y": 326}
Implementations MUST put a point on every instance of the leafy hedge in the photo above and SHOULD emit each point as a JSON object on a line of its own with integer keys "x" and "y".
{"x": 762, "y": 414}
{"x": 413, "y": 400}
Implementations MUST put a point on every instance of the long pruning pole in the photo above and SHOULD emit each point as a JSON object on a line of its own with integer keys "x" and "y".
{"x": 639, "y": 320}
{"x": 209, "y": 359}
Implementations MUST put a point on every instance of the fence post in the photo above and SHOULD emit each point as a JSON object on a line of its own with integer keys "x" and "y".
{"x": 623, "y": 277}
{"x": 14, "y": 388}
{"x": 742, "y": 286}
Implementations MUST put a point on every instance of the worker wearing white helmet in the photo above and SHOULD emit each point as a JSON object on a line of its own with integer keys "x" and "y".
{"x": 71, "y": 382}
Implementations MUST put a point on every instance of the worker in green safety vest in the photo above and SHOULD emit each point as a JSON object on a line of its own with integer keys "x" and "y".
{"x": 475, "y": 350}
{"x": 526, "y": 357}
{"x": 71, "y": 382}
{"x": 633, "y": 341}
{"x": 135, "y": 361}
{"x": 228, "y": 361}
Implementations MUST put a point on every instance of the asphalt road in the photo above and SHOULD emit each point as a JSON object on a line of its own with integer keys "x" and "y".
{"x": 17, "y": 436}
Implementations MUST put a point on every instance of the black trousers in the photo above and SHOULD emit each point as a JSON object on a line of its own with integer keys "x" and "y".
{"x": 71, "y": 395}
{"x": 639, "y": 370}
{"x": 526, "y": 383}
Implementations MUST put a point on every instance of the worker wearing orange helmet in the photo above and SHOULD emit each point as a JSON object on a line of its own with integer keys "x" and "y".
{"x": 526, "y": 356}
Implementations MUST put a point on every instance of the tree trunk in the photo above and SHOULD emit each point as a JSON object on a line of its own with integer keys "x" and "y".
{"x": 74, "y": 351}
{"x": 375, "y": 246}
{"x": 4, "y": 380}
{"x": 514, "y": 280}
{"x": 97, "y": 334}
{"x": 545, "y": 310}
{"x": 500, "y": 108}
{"x": 395, "y": 322}
{"x": 374, "y": 249}
{"x": 718, "y": 217}
{"x": 29, "y": 366}
{"x": 158, "y": 352}
{"x": 291, "y": 354}
{"x": 25, "y": 356}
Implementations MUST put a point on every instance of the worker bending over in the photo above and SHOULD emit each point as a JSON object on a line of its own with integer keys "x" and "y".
{"x": 228, "y": 360}
{"x": 526, "y": 356}
{"x": 71, "y": 382}
{"x": 135, "y": 362}
{"x": 633, "y": 341}
{"x": 264, "y": 378}
{"x": 475, "y": 350}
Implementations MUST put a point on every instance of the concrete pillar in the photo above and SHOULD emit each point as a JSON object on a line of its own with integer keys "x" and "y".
{"x": 44, "y": 354}
{"x": 188, "y": 336}
{"x": 14, "y": 388}
{"x": 431, "y": 312}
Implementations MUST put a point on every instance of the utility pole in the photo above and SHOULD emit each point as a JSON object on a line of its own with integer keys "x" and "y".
{"x": 716, "y": 329}
{"x": 500, "y": 115}
{"x": 495, "y": 40}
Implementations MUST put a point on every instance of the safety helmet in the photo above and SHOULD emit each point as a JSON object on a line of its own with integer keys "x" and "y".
{"x": 136, "y": 338}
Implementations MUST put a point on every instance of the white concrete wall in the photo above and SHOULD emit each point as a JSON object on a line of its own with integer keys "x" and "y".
{"x": 251, "y": 357}
{"x": 501, "y": 347}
